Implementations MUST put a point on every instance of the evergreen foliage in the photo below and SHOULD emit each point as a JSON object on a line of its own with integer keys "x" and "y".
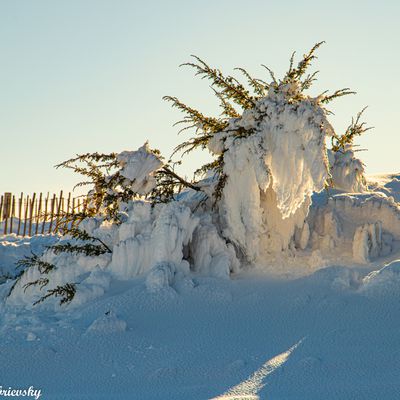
{"x": 41, "y": 282}
{"x": 229, "y": 91}
{"x": 35, "y": 261}
{"x": 66, "y": 292}
{"x": 17, "y": 278}
{"x": 88, "y": 249}
{"x": 356, "y": 128}
{"x": 110, "y": 188}
{"x": 28, "y": 262}
{"x": 95, "y": 247}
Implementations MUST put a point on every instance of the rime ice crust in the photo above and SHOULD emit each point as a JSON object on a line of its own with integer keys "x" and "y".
{"x": 138, "y": 167}
{"x": 347, "y": 171}
{"x": 272, "y": 173}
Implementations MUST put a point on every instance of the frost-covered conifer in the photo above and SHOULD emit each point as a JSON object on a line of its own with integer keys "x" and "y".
{"x": 251, "y": 202}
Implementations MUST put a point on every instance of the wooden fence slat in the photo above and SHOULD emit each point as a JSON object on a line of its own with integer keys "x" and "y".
{"x": 7, "y": 210}
{"x": 31, "y": 208}
{"x": 84, "y": 204}
{"x": 45, "y": 212}
{"x": 59, "y": 212}
{"x": 38, "y": 211}
{"x": 21, "y": 200}
{"x": 12, "y": 214}
{"x": 69, "y": 212}
{"x": 1, "y": 208}
{"x": 34, "y": 210}
{"x": 26, "y": 214}
{"x": 53, "y": 203}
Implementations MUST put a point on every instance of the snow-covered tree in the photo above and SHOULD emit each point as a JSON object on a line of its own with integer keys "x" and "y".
{"x": 249, "y": 203}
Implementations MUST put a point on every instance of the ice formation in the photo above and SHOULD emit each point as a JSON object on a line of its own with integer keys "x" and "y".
{"x": 357, "y": 227}
{"x": 151, "y": 236}
{"x": 347, "y": 171}
{"x": 138, "y": 167}
{"x": 272, "y": 173}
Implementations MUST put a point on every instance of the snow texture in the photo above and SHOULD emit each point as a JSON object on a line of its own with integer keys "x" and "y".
{"x": 272, "y": 173}
{"x": 215, "y": 339}
{"x": 139, "y": 167}
{"x": 347, "y": 171}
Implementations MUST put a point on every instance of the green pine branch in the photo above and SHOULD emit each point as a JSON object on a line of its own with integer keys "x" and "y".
{"x": 87, "y": 249}
{"x": 35, "y": 261}
{"x": 229, "y": 86}
{"x": 66, "y": 292}
{"x": 41, "y": 282}
{"x": 356, "y": 128}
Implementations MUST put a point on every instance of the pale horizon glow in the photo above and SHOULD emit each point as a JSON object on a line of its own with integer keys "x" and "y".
{"x": 89, "y": 75}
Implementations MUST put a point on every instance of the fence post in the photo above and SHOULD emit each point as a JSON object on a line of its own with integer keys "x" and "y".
{"x": 39, "y": 210}
{"x": 31, "y": 211}
{"x": 31, "y": 208}
{"x": 60, "y": 204}
{"x": 26, "y": 213}
{"x": 53, "y": 201}
{"x": 12, "y": 214}
{"x": 1, "y": 208}
{"x": 20, "y": 201}
{"x": 45, "y": 212}
{"x": 7, "y": 209}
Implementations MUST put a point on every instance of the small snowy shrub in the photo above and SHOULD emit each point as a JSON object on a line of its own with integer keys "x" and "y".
{"x": 118, "y": 178}
{"x": 347, "y": 171}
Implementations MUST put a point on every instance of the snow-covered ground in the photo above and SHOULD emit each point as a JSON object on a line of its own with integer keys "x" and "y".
{"x": 257, "y": 281}
{"x": 210, "y": 337}
{"x": 314, "y": 330}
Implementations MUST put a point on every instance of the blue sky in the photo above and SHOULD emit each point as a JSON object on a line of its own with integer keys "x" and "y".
{"x": 89, "y": 75}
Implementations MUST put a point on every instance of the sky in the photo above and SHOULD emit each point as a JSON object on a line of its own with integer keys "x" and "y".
{"x": 82, "y": 76}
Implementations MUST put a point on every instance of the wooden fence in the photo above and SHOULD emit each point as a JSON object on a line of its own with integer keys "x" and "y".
{"x": 34, "y": 214}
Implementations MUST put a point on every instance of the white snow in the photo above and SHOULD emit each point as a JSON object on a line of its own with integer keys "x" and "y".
{"x": 152, "y": 236}
{"x": 347, "y": 171}
{"x": 139, "y": 167}
{"x": 107, "y": 324}
{"x": 272, "y": 173}
{"x": 214, "y": 338}
{"x": 175, "y": 331}
{"x": 284, "y": 289}
{"x": 13, "y": 248}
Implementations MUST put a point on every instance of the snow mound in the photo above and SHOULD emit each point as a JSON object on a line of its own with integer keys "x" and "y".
{"x": 384, "y": 281}
{"x": 363, "y": 227}
{"x": 210, "y": 253}
{"x": 161, "y": 276}
{"x": 107, "y": 324}
{"x": 13, "y": 248}
{"x": 347, "y": 171}
{"x": 388, "y": 184}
